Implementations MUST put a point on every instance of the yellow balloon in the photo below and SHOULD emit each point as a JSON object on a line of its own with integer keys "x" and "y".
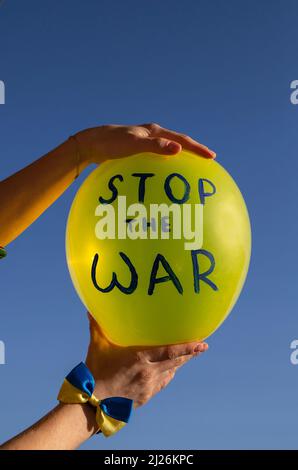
{"x": 144, "y": 283}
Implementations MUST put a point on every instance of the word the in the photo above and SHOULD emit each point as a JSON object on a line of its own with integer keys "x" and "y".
{"x": 136, "y": 222}
{"x": 2, "y": 92}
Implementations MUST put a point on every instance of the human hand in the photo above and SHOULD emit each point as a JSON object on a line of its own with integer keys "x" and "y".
{"x": 134, "y": 372}
{"x": 112, "y": 141}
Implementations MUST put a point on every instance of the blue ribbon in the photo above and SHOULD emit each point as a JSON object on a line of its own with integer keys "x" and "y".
{"x": 119, "y": 408}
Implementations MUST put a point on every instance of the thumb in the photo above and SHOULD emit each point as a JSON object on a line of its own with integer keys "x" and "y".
{"x": 96, "y": 334}
{"x": 94, "y": 328}
{"x": 160, "y": 145}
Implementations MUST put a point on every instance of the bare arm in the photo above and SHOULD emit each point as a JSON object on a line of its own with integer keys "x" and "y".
{"x": 134, "y": 373}
{"x": 28, "y": 193}
{"x": 66, "y": 427}
{"x": 25, "y": 195}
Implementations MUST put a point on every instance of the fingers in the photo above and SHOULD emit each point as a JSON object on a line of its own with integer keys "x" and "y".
{"x": 188, "y": 143}
{"x": 159, "y": 145}
{"x": 161, "y": 374}
{"x": 171, "y": 364}
{"x": 179, "y": 361}
{"x": 164, "y": 379}
{"x": 174, "y": 351}
{"x": 168, "y": 377}
{"x": 184, "y": 140}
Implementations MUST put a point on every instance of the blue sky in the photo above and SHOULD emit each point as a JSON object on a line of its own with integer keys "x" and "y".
{"x": 220, "y": 71}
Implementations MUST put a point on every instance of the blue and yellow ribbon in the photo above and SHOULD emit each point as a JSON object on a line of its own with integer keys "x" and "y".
{"x": 111, "y": 413}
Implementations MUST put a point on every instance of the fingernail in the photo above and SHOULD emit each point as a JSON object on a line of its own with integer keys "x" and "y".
{"x": 173, "y": 147}
{"x": 213, "y": 154}
{"x": 201, "y": 347}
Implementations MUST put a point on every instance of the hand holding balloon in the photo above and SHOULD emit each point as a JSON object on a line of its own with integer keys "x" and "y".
{"x": 55, "y": 171}
{"x": 135, "y": 373}
{"x": 105, "y": 142}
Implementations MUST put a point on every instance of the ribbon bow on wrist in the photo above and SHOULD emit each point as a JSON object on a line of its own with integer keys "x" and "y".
{"x": 111, "y": 413}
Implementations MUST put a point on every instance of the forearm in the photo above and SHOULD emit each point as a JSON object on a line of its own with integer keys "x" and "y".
{"x": 25, "y": 195}
{"x": 28, "y": 193}
{"x": 66, "y": 427}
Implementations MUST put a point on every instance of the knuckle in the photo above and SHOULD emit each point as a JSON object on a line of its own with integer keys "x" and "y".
{"x": 164, "y": 383}
{"x": 184, "y": 136}
{"x": 189, "y": 350}
{"x": 107, "y": 127}
{"x": 160, "y": 142}
{"x": 144, "y": 376}
{"x": 133, "y": 136}
{"x": 170, "y": 377}
{"x": 167, "y": 380}
{"x": 153, "y": 126}
{"x": 179, "y": 361}
{"x": 144, "y": 398}
{"x": 138, "y": 356}
{"x": 171, "y": 353}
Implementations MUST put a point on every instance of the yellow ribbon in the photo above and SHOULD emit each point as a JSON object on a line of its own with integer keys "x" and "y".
{"x": 71, "y": 395}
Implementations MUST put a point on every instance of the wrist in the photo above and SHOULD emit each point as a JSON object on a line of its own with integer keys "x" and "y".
{"x": 77, "y": 155}
{"x": 72, "y": 157}
{"x": 101, "y": 390}
{"x": 89, "y": 145}
{"x": 111, "y": 413}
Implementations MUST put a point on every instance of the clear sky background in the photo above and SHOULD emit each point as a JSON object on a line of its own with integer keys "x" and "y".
{"x": 220, "y": 71}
